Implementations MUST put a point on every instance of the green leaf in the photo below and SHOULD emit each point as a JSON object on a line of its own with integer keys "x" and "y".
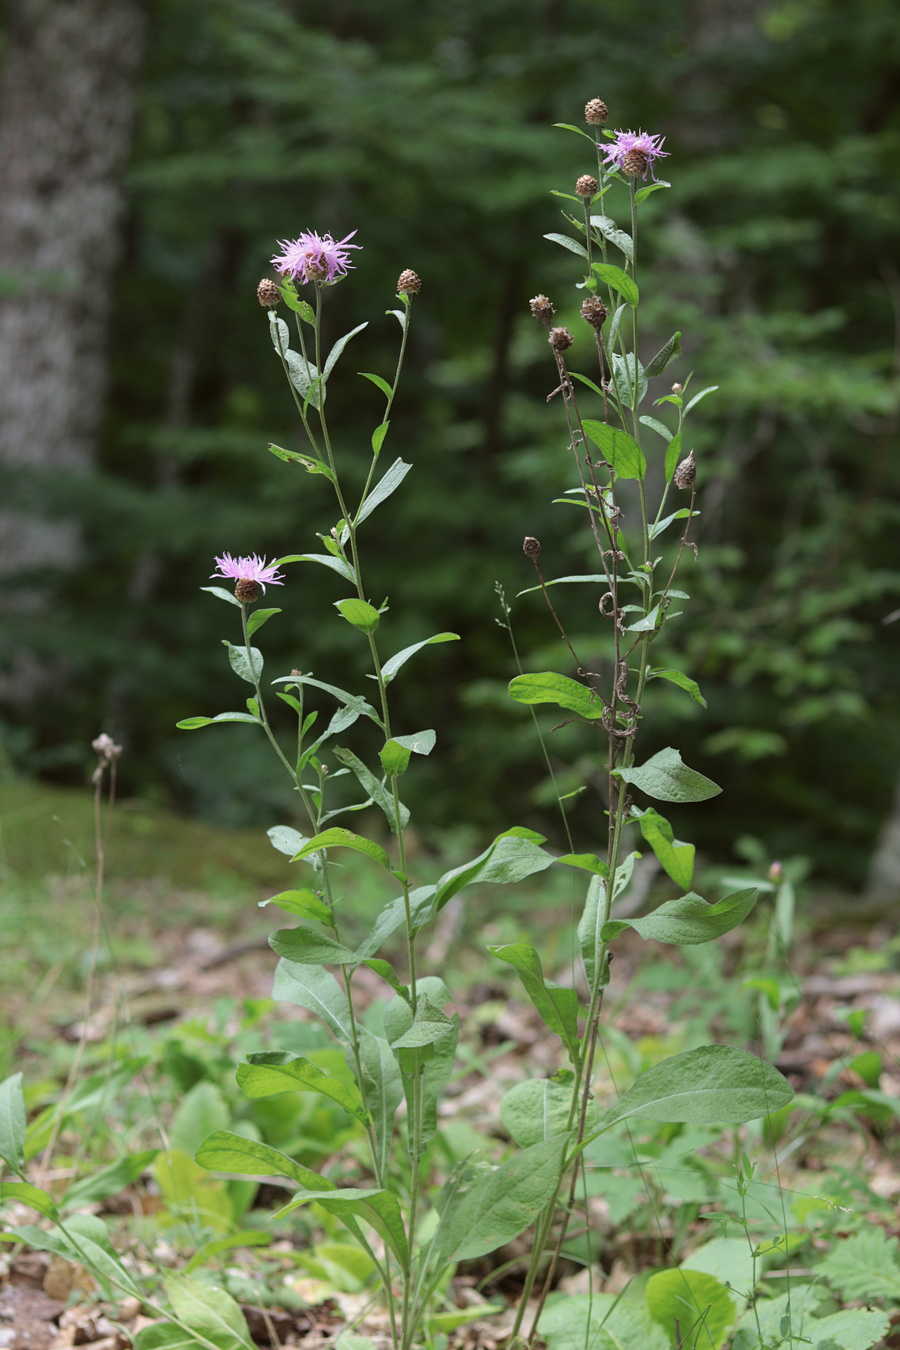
{"x": 394, "y": 758}
{"x": 325, "y": 560}
{"x": 711, "y": 389}
{"x": 382, "y": 1087}
{"x": 614, "y": 323}
{"x": 673, "y": 455}
{"x": 647, "y": 624}
{"x": 623, "y": 371}
{"x": 565, "y": 242}
{"x": 512, "y": 856}
{"x": 209, "y": 1311}
{"x": 33, "y": 1196}
{"x": 428, "y": 1026}
{"x": 689, "y": 920}
{"x": 307, "y": 947}
{"x": 683, "y": 681}
{"x": 304, "y": 903}
{"x": 676, "y": 858}
{"x": 224, "y": 1151}
{"x": 379, "y": 1208}
{"x": 258, "y": 618}
{"x": 378, "y": 382}
{"x": 193, "y": 723}
{"x": 166, "y": 1336}
{"x": 692, "y": 1302}
{"x": 337, "y": 837}
{"x": 271, "y": 1072}
{"x": 865, "y": 1265}
{"x": 246, "y": 1237}
{"x": 643, "y": 193}
{"x": 610, "y": 230}
{"x": 557, "y": 1006}
{"x": 383, "y": 489}
{"x": 315, "y": 989}
{"x": 396, "y": 817}
{"x": 620, "y": 450}
{"x": 602, "y": 1322}
{"x": 538, "y": 1109}
{"x": 425, "y": 1058}
{"x": 667, "y": 778}
{"x": 362, "y": 615}
{"x": 378, "y": 436}
{"x": 659, "y": 427}
{"x": 241, "y": 663}
{"x": 354, "y": 702}
{"x": 12, "y": 1123}
{"x": 109, "y": 1180}
{"x": 85, "y": 1241}
{"x": 619, "y": 281}
{"x": 714, "y": 1085}
{"x": 548, "y": 687}
{"x": 390, "y": 668}
{"x": 222, "y": 594}
{"x": 339, "y": 346}
{"x": 589, "y": 862}
{"x": 665, "y": 356}
{"x": 594, "y": 577}
{"x": 662, "y": 525}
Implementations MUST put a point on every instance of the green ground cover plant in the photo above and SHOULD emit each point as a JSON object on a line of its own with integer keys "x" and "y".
{"x": 344, "y": 1110}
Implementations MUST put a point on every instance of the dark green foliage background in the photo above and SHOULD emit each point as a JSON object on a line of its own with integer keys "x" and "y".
{"x": 427, "y": 127}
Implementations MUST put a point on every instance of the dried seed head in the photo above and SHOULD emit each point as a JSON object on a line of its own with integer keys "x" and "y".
{"x": 595, "y": 112}
{"x": 408, "y": 283}
{"x": 268, "y": 294}
{"x": 586, "y": 185}
{"x": 560, "y": 339}
{"x": 246, "y": 591}
{"x": 531, "y": 547}
{"x": 541, "y": 308}
{"x": 634, "y": 164}
{"x": 686, "y": 473}
{"x": 106, "y": 748}
{"x": 677, "y": 388}
{"x": 594, "y": 312}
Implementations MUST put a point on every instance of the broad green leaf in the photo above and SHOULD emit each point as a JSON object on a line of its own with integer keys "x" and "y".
{"x": 224, "y": 1151}
{"x": 512, "y": 856}
{"x": 589, "y": 862}
{"x": 620, "y": 450}
{"x": 694, "y": 1302}
{"x": 194, "y": 723}
{"x": 337, "y": 837}
{"x": 166, "y": 1336}
{"x": 683, "y": 681}
{"x": 673, "y": 455}
{"x": 665, "y": 356}
{"x": 643, "y": 193}
{"x": 647, "y": 624}
{"x": 270, "y": 1072}
{"x": 354, "y": 701}
{"x": 339, "y": 346}
{"x": 428, "y": 1026}
{"x": 12, "y": 1123}
{"x": 610, "y": 230}
{"x": 304, "y": 903}
{"x": 394, "y": 757}
{"x": 209, "y": 1311}
{"x": 379, "y": 1208}
{"x": 676, "y": 858}
{"x": 499, "y": 1206}
{"x": 249, "y": 667}
{"x": 315, "y": 989}
{"x": 659, "y": 427}
{"x": 619, "y": 281}
{"x": 109, "y": 1180}
{"x": 222, "y": 594}
{"x": 865, "y": 1265}
{"x": 850, "y": 1329}
{"x": 623, "y": 372}
{"x": 390, "y": 668}
{"x": 378, "y": 793}
{"x": 85, "y": 1241}
{"x": 711, "y": 389}
{"x": 668, "y": 779}
{"x": 190, "y": 1193}
{"x": 258, "y": 618}
{"x": 358, "y": 612}
{"x": 286, "y": 839}
{"x": 33, "y": 1196}
{"x": 305, "y": 378}
{"x": 382, "y": 1087}
{"x": 600, "y": 1322}
{"x": 690, "y": 920}
{"x": 378, "y": 382}
{"x": 557, "y": 1006}
{"x": 731, "y": 1261}
{"x": 383, "y": 489}
{"x": 565, "y": 242}
{"x": 714, "y": 1085}
{"x": 430, "y": 1052}
{"x": 307, "y": 947}
{"x": 548, "y": 687}
{"x": 419, "y": 742}
{"x": 540, "y": 1108}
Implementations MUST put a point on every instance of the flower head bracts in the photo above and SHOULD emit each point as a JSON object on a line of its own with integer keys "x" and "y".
{"x": 626, "y": 142}
{"x": 253, "y": 569}
{"x": 314, "y": 257}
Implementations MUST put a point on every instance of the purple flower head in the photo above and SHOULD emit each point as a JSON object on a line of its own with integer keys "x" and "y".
{"x": 626, "y": 141}
{"x": 253, "y": 569}
{"x": 314, "y": 257}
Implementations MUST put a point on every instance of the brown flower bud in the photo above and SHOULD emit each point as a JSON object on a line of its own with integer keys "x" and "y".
{"x": 686, "y": 473}
{"x": 268, "y": 294}
{"x": 594, "y": 312}
{"x": 541, "y": 308}
{"x": 677, "y": 388}
{"x": 634, "y": 164}
{"x": 246, "y": 591}
{"x": 586, "y": 185}
{"x": 408, "y": 283}
{"x": 595, "y": 112}
{"x": 531, "y": 547}
{"x": 560, "y": 339}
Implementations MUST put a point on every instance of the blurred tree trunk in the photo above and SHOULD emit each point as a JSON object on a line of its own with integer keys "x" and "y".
{"x": 67, "y": 100}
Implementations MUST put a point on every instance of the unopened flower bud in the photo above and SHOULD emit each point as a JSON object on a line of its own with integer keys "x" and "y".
{"x": 594, "y": 312}
{"x": 541, "y": 308}
{"x": 408, "y": 283}
{"x": 595, "y": 112}
{"x": 776, "y": 873}
{"x": 677, "y": 388}
{"x": 634, "y": 164}
{"x": 686, "y": 472}
{"x": 268, "y": 294}
{"x": 560, "y": 339}
{"x": 246, "y": 591}
{"x": 586, "y": 185}
{"x": 531, "y": 547}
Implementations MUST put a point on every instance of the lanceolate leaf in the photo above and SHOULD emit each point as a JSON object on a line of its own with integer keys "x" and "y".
{"x": 390, "y": 668}
{"x": 676, "y": 858}
{"x": 537, "y": 1110}
{"x": 512, "y": 856}
{"x": 620, "y": 281}
{"x": 610, "y": 230}
{"x": 379, "y": 1208}
{"x": 624, "y": 368}
{"x": 383, "y": 488}
{"x": 193, "y": 723}
{"x": 339, "y": 347}
{"x": 383, "y": 1089}
{"x": 713, "y": 1085}
{"x": 241, "y": 662}
{"x": 360, "y": 613}
{"x": 337, "y": 837}
{"x": 209, "y": 1311}
{"x": 548, "y": 687}
{"x": 12, "y": 1123}
{"x": 258, "y": 618}
{"x": 557, "y": 1006}
{"x": 565, "y": 242}
{"x": 683, "y": 681}
{"x": 665, "y": 356}
{"x": 673, "y": 455}
{"x": 308, "y": 947}
{"x": 271, "y": 1072}
{"x": 315, "y": 989}
{"x": 690, "y": 920}
{"x": 667, "y": 778}
{"x": 224, "y": 1151}
{"x": 619, "y": 449}
{"x": 378, "y": 793}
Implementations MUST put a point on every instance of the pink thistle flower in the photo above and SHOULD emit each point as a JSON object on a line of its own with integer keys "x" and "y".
{"x": 627, "y": 141}
{"x": 253, "y": 570}
{"x": 314, "y": 257}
